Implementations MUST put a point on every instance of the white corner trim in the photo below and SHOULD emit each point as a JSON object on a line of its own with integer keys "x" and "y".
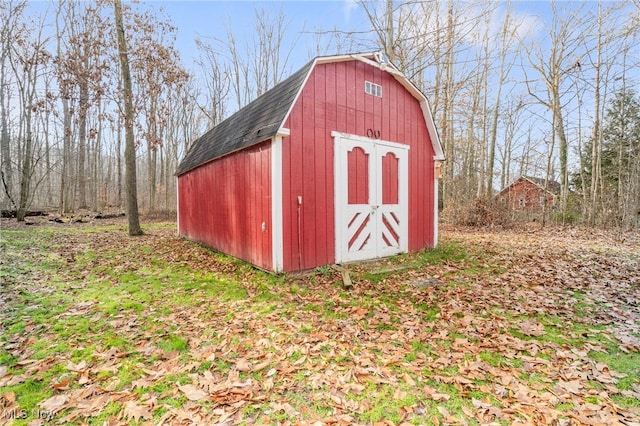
{"x": 436, "y": 196}
{"x": 277, "y": 247}
{"x": 178, "y": 204}
{"x": 340, "y": 187}
{"x": 433, "y": 132}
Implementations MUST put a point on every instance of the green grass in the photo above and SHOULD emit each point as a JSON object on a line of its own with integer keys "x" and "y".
{"x": 155, "y": 305}
{"x": 174, "y": 343}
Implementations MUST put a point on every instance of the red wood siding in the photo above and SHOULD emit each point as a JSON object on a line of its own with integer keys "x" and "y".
{"x": 334, "y": 99}
{"x": 224, "y": 203}
{"x": 390, "y": 179}
{"x": 358, "y": 191}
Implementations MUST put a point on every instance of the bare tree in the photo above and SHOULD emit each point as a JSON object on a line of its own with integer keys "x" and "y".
{"x": 554, "y": 65}
{"x": 503, "y": 45}
{"x": 28, "y": 57}
{"x": 216, "y": 82}
{"x": 9, "y": 31}
{"x": 130, "y": 147}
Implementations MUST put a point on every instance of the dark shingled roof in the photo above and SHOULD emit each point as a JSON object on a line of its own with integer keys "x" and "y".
{"x": 552, "y": 185}
{"x": 256, "y": 122}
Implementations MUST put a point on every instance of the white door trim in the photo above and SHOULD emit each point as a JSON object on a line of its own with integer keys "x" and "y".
{"x": 344, "y": 143}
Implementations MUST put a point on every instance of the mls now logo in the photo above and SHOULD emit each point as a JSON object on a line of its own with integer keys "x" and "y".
{"x": 16, "y": 414}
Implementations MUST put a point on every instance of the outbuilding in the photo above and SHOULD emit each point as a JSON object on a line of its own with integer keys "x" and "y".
{"x": 529, "y": 195}
{"x": 337, "y": 163}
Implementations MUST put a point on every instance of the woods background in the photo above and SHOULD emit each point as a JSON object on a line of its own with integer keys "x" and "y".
{"x": 553, "y": 97}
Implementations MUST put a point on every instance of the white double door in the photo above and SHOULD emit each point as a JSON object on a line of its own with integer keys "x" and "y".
{"x": 371, "y": 198}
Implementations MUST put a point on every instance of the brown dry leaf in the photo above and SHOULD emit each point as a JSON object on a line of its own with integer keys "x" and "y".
{"x": 268, "y": 384}
{"x": 61, "y": 383}
{"x": 133, "y": 411}
{"x": 481, "y": 403}
{"x": 434, "y": 394}
{"x": 399, "y": 394}
{"x": 408, "y": 379}
{"x": 8, "y": 398}
{"x": 193, "y": 393}
{"x": 243, "y": 365}
{"x": 573, "y": 386}
{"x": 261, "y": 366}
{"x": 83, "y": 379}
{"x": 286, "y": 407}
{"x": 77, "y": 368}
{"x": 54, "y": 404}
{"x": 531, "y": 328}
{"x": 141, "y": 383}
{"x": 12, "y": 380}
{"x": 272, "y": 372}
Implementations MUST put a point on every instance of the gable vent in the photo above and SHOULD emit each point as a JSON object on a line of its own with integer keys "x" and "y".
{"x": 373, "y": 89}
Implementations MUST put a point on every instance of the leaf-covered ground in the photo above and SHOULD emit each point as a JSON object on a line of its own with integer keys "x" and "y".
{"x": 521, "y": 327}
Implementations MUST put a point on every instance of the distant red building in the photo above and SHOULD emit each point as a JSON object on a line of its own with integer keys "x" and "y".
{"x": 529, "y": 195}
{"x": 337, "y": 163}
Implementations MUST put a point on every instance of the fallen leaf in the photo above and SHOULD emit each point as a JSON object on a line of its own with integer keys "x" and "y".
{"x": 261, "y": 366}
{"x": 408, "y": 379}
{"x": 193, "y": 393}
{"x": 272, "y": 372}
{"x": 84, "y": 378}
{"x": 54, "y": 404}
{"x": 531, "y": 328}
{"x": 243, "y": 365}
{"x": 573, "y": 386}
{"x": 480, "y": 404}
{"x": 133, "y": 411}
{"x": 77, "y": 368}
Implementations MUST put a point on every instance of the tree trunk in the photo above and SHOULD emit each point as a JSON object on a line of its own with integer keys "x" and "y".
{"x": 597, "y": 134}
{"x": 119, "y": 166}
{"x": 25, "y": 179}
{"x": 82, "y": 146}
{"x": 496, "y": 109}
{"x": 130, "y": 148}
{"x": 5, "y": 145}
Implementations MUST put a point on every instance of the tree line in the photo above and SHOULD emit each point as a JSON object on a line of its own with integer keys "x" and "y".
{"x": 548, "y": 95}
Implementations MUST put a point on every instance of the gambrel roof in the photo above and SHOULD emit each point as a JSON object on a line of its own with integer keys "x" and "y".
{"x": 263, "y": 118}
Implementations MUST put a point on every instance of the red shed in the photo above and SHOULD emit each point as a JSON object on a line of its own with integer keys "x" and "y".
{"x": 529, "y": 194}
{"x": 337, "y": 163}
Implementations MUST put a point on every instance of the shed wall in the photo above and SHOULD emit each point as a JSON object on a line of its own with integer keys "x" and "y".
{"x": 524, "y": 195}
{"x": 334, "y": 99}
{"x": 224, "y": 203}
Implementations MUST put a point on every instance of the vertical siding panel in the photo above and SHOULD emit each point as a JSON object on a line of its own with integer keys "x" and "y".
{"x": 351, "y": 98}
{"x": 377, "y": 102}
{"x": 219, "y": 206}
{"x": 419, "y": 189}
{"x": 384, "y": 105}
{"x": 342, "y": 96}
{"x": 331, "y": 125}
{"x": 267, "y": 193}
{"x": 290, "y": 199}
{"x": 321, "y": 134}
{"x": 308, "y": 209}
{"x": 393, "y": 114}
{"x": 287, "y": 179}
{"x": 361, "y": 112}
